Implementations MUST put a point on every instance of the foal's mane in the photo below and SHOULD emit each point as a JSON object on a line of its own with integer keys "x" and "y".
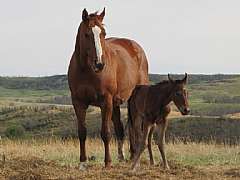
{"x": 93, "y": 14}
{"x": 165, "y": 82}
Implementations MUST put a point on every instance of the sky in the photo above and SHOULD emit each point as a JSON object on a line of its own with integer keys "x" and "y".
{"x": 196, "y": 36}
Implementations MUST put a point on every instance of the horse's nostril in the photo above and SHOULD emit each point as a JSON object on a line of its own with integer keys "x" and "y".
{"x": 99, "y": 66}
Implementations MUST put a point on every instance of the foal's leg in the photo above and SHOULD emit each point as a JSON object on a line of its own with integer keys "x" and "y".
{"x": 80, "y": 110}
{"x": 161, "y": 141}
{"x": 106, "y": 111}
{"x": 132, "y": 141}
{"x": 119, "y": 130}
{"x": 150, "y": 145}
{"x": 142, "y": 145}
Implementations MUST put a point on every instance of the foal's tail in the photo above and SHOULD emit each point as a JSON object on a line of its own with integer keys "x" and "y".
{"x": 131, "y": 105}
{"x": 129, "y": 127}
{"x": 130, "y": 122}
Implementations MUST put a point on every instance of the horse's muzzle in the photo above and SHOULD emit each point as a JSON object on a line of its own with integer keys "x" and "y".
{"x": 99, "y": 67}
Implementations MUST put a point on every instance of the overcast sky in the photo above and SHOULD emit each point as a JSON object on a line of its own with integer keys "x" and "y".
{"x": 197, "y": 36}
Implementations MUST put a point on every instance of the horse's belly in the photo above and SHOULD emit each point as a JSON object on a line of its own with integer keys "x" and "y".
{"x": 90, "y": 95}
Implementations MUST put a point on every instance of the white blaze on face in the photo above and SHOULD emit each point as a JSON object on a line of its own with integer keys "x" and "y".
{"x": 96, "y": 33}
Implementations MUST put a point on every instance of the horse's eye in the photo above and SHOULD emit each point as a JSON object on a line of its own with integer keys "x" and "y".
{"x": 104, "y": 33}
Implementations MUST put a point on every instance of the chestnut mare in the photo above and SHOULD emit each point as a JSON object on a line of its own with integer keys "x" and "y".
{"x": 149, "y": 107}
{"x": 103, "y": 72}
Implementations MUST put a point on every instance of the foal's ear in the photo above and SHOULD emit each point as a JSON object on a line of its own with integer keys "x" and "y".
{"x": 170, "y": 79}
{"x": 184, "y": 80}
{"x": 84, "y": 15}
{"x": 101, "y": 16}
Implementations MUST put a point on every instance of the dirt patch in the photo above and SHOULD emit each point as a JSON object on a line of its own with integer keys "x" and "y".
{"x": 33, "y": 168}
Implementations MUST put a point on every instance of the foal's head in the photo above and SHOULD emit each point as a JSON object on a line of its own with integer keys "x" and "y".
{"x": 180, "y": 94}
{"x": 91, "y": 37}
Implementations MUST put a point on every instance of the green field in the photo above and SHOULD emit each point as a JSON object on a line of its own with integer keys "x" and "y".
{"x": 38, "y": 133}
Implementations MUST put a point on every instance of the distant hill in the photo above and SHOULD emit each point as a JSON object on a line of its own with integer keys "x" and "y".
{"x": 59, "y": 82}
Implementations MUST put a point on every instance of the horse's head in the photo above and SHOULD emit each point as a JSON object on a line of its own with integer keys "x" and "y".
{"x": 92, "y": 39}
{"x": 180, "y": 94}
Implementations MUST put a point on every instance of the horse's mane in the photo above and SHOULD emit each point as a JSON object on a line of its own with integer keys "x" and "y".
{"x": 94, "y": 15}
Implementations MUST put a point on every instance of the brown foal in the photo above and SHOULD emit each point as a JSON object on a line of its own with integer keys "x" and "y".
{"x": 149, "y": 107}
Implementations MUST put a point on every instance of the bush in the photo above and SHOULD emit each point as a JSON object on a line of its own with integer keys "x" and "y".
{"x": 14, "y": 131}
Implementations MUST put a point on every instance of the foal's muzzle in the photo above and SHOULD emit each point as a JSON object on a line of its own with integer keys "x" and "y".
{"x": 185, "y": 111}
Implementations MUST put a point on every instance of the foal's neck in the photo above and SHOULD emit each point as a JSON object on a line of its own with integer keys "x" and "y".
{"x": 165, "y": 91}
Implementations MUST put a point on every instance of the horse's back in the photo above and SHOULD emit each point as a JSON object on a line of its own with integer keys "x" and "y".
{"x": 132, "y": 65}
{"x": 131, "y": 46}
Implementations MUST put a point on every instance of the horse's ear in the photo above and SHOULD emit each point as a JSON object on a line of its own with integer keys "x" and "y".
{"x": 185, "y": 78}
{"x": 101, "y": 16}
{"x": 170, "y": 79}
{"x": 84, "y": 15}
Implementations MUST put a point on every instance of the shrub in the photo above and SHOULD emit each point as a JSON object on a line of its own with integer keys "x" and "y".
{"x": 14, "y": 131}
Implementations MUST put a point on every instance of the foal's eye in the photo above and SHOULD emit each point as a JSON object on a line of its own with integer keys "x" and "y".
{"x": 178, "y": 93}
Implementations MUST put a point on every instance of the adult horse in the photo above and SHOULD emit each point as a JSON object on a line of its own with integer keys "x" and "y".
{"x": 103, "y": 72}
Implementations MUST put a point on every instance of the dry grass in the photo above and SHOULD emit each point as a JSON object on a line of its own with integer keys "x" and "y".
{"x": 55, "y": 159}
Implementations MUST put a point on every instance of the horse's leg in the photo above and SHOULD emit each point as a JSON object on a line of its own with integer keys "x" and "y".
{"x": 119, "y": 130}
{"x": 142, "y": 145}
{"x": 161, "y": 141}
{"x": 106, "y": 111}
{"x": 80, "y": 110}
{"x": 150, "y": 146}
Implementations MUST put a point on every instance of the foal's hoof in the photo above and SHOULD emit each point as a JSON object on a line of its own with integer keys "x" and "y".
{"x": 151, "y": 163}
{"x": 166, "y": 167}
{"x": 135, "y": 167}
{"x": 83, "y": 166}
{"x": 121, "y": 158}
{"x": 132, "y": 172}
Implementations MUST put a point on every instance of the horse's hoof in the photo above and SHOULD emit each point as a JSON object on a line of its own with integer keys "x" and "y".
{"x": 108, "y": 166}
{"x": 83, "y": 166}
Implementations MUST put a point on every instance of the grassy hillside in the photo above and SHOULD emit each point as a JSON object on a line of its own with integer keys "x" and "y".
{"x": 37, "y": 118}
{"x": 36, "y": 106}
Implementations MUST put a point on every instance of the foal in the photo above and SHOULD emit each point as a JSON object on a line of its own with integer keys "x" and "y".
{"x": 149, "y": 107}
